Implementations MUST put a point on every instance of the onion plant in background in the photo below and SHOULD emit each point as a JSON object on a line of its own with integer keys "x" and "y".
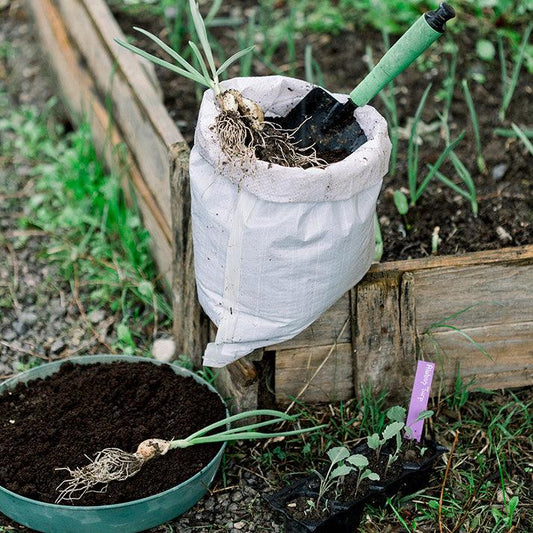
{"x": 523, "y": 137}
{"x": 475, "y": 126}
{"x": 313, "y": 72}
{"x": 509, "y": 83}
{"x": 418, "y": 186}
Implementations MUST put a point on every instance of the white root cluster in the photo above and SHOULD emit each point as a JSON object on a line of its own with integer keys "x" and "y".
{"x": 244, "y": 134}
{"x": 110, "y": 464}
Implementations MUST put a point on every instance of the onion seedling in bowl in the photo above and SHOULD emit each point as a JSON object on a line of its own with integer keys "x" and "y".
{"x": 114, "y": 464}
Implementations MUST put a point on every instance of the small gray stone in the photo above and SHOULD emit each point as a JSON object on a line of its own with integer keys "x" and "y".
{"x": 19, "y": 327}
{"x": 236, "y": 496}
{"x": 209, "y": 504}
{"x": 9, "y": 335}
{"x": 498, "y": 172}
{"x": 163, "y": 350}
{"x": 96, "y": 316}
{"x": 503, "y": 235}
{"x": 233, "y": 508}
{"x": 28, "y": 319}
{"x": 57, "y": 346}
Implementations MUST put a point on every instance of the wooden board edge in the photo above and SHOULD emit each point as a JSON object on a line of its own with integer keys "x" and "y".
{"x": 517, "y": 255}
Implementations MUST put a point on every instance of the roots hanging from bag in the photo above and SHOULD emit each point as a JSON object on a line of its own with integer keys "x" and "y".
{"x": 244, "y": 136}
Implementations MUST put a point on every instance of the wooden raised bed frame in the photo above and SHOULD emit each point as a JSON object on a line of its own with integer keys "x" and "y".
{"x": 373, "y": 335}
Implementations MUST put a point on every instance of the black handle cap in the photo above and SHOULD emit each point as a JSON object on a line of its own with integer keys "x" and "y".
{"x": 437, "y": 19}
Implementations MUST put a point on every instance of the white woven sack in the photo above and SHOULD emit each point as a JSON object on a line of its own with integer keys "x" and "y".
{"x": 274, "y": 248}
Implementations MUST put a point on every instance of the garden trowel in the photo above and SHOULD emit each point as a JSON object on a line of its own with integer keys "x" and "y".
{"x": 321, "y": 121}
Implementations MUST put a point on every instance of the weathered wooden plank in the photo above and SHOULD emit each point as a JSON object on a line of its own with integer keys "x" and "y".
{"x": 81, "y": 96}
{"x": 499, "y": 294}
{"x": 516, "y": 255}
{"x": 239, "y": 383}
{"x": 383, "y": 337}
{"x": 147, "y": 93}
{"x": 509, "y": 346}
{"x": 132, "y": 109}
{"x": 325, "y": 330}
{"x": 191, "y": 325}
{"x": 314, "y": 374}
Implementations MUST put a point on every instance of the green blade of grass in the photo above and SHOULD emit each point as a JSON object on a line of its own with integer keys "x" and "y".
{"x": 450, "y": 184}
{"x": 503, "y": 132}
{"x": 200, "y": 59}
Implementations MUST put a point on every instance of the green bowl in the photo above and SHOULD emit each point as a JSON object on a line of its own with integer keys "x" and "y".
{"x": 128, "y": 517}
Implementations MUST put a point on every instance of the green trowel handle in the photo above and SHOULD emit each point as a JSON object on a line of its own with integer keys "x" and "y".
{"x": 425, "y": 31}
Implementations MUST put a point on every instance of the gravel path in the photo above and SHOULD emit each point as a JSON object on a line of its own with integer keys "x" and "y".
{"x": 40, "y": 315}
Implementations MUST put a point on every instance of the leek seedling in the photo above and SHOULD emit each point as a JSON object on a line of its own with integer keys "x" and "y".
{"x": 502, "y": 132}
{"x": 313, "y": 72}
{"x": 412, "y": 147}
{"x": 523, "y": 137}
{"x": 416, "y": 190}
{"x": 240, "y": 125}
{"x": 475, "y": 125}
{"x": 113, "y": 464}
{"x": 509, "y": 84}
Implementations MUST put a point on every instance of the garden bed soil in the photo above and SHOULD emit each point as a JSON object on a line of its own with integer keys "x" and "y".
{"x": 504, "y": 192}
{"x": 81, "y": 409}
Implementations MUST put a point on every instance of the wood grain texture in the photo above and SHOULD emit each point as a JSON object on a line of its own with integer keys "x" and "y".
{"x": 384, "y": 335}
{"x": 325, "y": 330}
{"x": 191, "y": 325}
{"x": 490, "y": 294}
{"x": 516, "y": 255}
{"x": 295, "y": 370}
{"x": 238, "y": 383}
{"x": 509, "y": 362}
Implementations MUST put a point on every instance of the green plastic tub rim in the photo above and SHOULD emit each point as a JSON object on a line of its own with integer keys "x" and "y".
{"x": 150, "y": 502}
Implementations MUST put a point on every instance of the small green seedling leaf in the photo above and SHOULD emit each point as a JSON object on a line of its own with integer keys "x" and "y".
{"x": 373, "y": 476}
{"x": 342, "y": 470}
{"x": 338, "y": 454}
{"x": 392, "y": 430}
{"x": 373, "y": 441}
{"x": 401, "y": 202}
{"x": 358, "y": 460}
{"x": 397, "y": 413}
{"x": 424, "y": 415}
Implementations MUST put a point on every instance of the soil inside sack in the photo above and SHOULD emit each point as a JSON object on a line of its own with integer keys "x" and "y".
{"x": 55, "y": 422}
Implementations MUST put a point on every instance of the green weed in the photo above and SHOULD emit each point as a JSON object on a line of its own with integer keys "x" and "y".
{"x": 95, "y": 238}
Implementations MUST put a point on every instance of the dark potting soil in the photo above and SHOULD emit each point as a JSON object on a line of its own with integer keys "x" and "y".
{"x": 56, "y": 422}
{"x": 504, "y": 191}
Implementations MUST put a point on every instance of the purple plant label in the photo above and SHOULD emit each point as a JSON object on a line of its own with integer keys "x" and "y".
{"x": 419, "y": 399}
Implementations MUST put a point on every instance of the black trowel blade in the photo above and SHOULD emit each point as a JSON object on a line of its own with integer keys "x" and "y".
{"x": 321, "y": 121}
